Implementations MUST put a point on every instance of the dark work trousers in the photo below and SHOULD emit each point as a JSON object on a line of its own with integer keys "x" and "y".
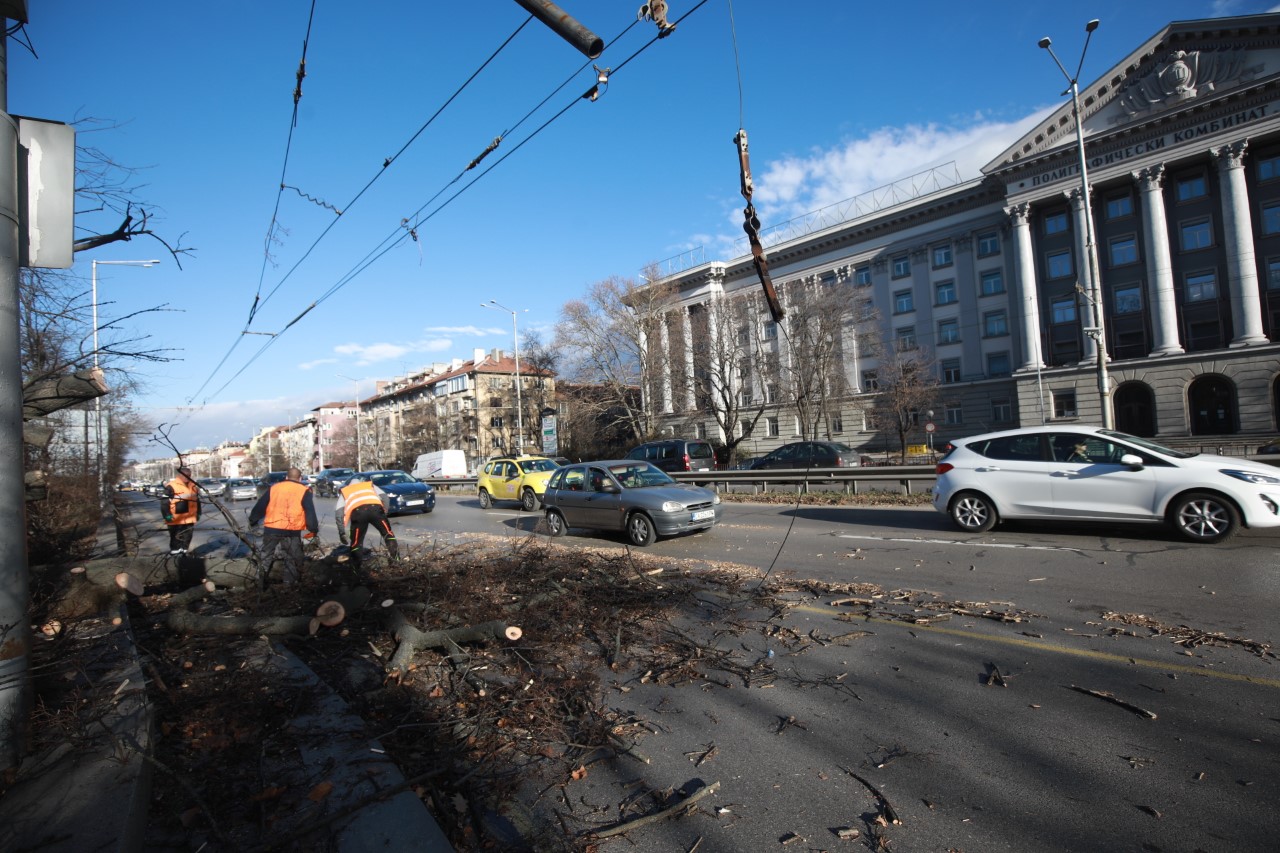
{"x": 289, "y": 543}
{"x": 180, "y": 536}
{"x": 361, "y": 518}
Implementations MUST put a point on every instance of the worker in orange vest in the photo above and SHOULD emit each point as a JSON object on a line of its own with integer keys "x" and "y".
{"x": 181, "y": 510}
{"x": 361, "y": 503}
{"x": 286, "y": 510}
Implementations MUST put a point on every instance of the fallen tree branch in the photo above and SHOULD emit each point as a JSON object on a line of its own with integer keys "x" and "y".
{"x": 618, "y": 829}
{"x": 885, "y": 806}
{"x": 411, "y": 640}
{"x": 185, "y": 622}
{"x": 1110, "y": 697}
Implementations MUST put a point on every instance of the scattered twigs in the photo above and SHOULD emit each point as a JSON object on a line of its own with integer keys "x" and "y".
{"x": 886, "y": 807}
{"x": 1110, "y": 697}
{"x": 995, "y": 678}
{"x": 670, "y": 811}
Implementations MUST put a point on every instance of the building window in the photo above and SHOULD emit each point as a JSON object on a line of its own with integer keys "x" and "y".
{"x": 1120, "y": 206}
{"x": 988, "y": 244}
{"x": 1001, "y": 410}
{"x": 1271, "y": 218}
{"x": 770, "y": 330}
{"x": 862, "y": 276}
{"x": 744, "y": 428}
{"x": 902, "y": 267}
{"x": 1059, "y": 264}
{"x": 948, "y": 331}
{"x": 1196, "y": 235}
{"x": 1064, "y": 403}
{"x": 1269, "y": 168}
{"x": 1063, "y": 310}
{"x": 744, "y": 397}
{"x": 991, "y": 283}
{"x": 1124, "y": 250}
{"x": 942, "y": 256}
{"x": 1055, "y": 223}
{"x": 837, "y": 423}
{"x": 1202, "y": 287}
{"x": 952, "y": 413}
{"x": 950, "y": 371}
{"x": 998, "y": 364}
{"x": 902, "y": 302}
{"x": 995, "y": 324}
{"x": 1128, "y": 299}
{"x": 771, "y": 392}
{"x": 944, "y": 293}
{"x": 771, "y": 427}
{"x": 870, "y": 382}
{"x": 1192, "y": 187}
{"x": 1273, "y": 275}
{"x": 906, "y": 338}
{"x": 700, "y": 431}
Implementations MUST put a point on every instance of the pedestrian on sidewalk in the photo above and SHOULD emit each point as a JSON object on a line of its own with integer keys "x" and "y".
{"x": 181, "y": 510}
{"x": 361, "y": 503}
{"x": 286, "y": 510}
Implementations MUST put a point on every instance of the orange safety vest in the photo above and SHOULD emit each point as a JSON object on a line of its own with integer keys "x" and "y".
{"x": 184, "y": 490}
{"x": 358, "y": 494}
{"x": 284, "y": 507}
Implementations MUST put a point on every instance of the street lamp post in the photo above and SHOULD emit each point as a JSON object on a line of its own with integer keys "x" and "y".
{"x": 515, "y": 337}
{"x": 359, "y": 453}
{"x": 1098, "y": 331}
{"x": 97, "y": 401}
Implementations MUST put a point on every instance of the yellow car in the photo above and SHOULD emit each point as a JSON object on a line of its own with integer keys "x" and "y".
{"x": 515, "y": 478}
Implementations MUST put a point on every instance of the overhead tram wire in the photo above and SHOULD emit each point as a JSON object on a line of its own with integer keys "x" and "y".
{"x": 258, "y": 301}
{"x": 275, "y": 212}
{"x": 398, "y": 235}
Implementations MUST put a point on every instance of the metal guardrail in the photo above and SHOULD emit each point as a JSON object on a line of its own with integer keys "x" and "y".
{"x": 903, "y": 478}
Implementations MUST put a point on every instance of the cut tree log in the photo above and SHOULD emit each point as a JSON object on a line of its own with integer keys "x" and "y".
{"x": 46, "y": 396}
{"x": 411, "y": 640}
{"x": 183, "y": 621}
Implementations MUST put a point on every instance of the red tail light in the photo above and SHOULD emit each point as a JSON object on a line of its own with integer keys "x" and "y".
{"x": 687, "y": 466}
{"x": 942, "y": 468}
{"x": 840, "y": 463}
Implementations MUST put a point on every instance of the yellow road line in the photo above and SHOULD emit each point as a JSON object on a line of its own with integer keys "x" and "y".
{"x": 1027, "y": 643}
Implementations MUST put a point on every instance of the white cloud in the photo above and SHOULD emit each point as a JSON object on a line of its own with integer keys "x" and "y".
{"x": 308, "y": 365}
{"x": 364, "y": 354}
{"x": 468, "y": 331}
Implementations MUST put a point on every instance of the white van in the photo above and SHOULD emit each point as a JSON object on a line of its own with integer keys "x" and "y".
{"x": 440, "y": 464}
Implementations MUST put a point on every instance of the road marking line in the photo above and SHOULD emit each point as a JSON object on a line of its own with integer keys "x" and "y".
{"x": 1027, "y": 643}
{"x": 958, "y": 542}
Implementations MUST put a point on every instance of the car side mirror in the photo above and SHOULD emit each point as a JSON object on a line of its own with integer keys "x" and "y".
{"x": 1133, "y": 461}
{"x": 609, "y": 487}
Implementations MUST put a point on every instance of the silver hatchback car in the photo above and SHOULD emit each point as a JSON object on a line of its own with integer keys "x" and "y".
{"x": 627, "y": 495}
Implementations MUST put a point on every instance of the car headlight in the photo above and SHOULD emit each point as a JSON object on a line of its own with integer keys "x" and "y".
{"x": 1252, "y": 477}
{"x": 672, "y": 506}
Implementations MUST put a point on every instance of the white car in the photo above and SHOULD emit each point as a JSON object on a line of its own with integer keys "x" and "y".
{"x": 1086, "y": 473}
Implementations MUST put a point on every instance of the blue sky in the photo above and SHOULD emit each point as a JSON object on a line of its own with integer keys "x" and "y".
{"x": 838, "y": 97}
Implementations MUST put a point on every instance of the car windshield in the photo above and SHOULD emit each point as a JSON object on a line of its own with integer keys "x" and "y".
{"x": 841, "y": 448}
{"x": 538, "y": 466}
{"x": 391, "y": 478}
{"x": 240, "y": 483}
{"x": 632, "y": 475}
{"x": 1147, "y": 445}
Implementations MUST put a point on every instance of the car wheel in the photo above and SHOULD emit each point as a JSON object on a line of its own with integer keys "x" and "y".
{"x": 640, "y": 530}
{"x": 528, "y": 500}
{"x": 1205, "y": 517}
{"x": 555, "y": 524}
{"x": 973, "y": 512}
{"x": 485, "y": 500}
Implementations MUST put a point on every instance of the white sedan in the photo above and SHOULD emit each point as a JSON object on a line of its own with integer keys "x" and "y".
{"x": 1092, "y": 474}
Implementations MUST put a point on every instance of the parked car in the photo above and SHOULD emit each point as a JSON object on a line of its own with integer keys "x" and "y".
{"x": 515, "y": 478}
{"x": 1272, "y": 446}
{"x": 1085, "y": 473}
{"x": 327, "y": 482}
{"x": 406, "y": 492}
{"x": 212, "y": 486}
{"x": 627, "y": 495}
{"x": 677, "y": 454}
{"x": 242, "y": 489}
{"x": 810, "y": 454}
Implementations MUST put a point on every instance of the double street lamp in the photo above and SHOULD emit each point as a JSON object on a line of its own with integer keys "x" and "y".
{"x": 97, "y": 401}
{"x": 515, "y": 337}
{"x": 1094, "y": 292}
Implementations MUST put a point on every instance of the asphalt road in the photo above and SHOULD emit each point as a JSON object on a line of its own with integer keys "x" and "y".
{"x": 1174, "y": 748}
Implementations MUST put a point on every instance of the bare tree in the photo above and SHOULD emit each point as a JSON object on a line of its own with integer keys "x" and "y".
{"x": 613, "y": 340}
{"x": 420, "y": 430}
{"x": 907, "y": 384}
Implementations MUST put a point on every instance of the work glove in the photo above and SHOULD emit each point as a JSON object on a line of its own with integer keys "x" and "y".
{"x": 168, "y": 518}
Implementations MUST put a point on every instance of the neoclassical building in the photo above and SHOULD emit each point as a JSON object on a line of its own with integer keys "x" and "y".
{"x": 992, "y": 276}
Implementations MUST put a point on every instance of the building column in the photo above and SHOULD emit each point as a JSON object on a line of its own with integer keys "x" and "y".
{"x": 1083, "y": 272}
{"x": 690, "y": 400}
{"x": 1160, "y": 291}
{"x": 1028, "y": 289}
{"x": 664, "y": 345}
{"x": 1242, "y": 271}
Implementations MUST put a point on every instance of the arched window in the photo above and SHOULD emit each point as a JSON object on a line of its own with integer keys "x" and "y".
{"x": 1212, "y": 403}
{"x": 1135, "y": 408}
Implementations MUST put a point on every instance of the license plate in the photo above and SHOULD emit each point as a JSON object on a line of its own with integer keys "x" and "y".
{"x": 414, "y": 503}
{"x": 702, "y": 515}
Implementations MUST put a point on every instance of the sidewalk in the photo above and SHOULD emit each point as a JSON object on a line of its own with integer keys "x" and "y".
{"x": 92, "y": 791}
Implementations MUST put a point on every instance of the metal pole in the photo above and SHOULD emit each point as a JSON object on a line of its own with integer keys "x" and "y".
{"x": 562, "y": 24}
{"x": 359, "y": 455}
{"x": 15, "y": 641}
{"x": 515, "y": 339}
